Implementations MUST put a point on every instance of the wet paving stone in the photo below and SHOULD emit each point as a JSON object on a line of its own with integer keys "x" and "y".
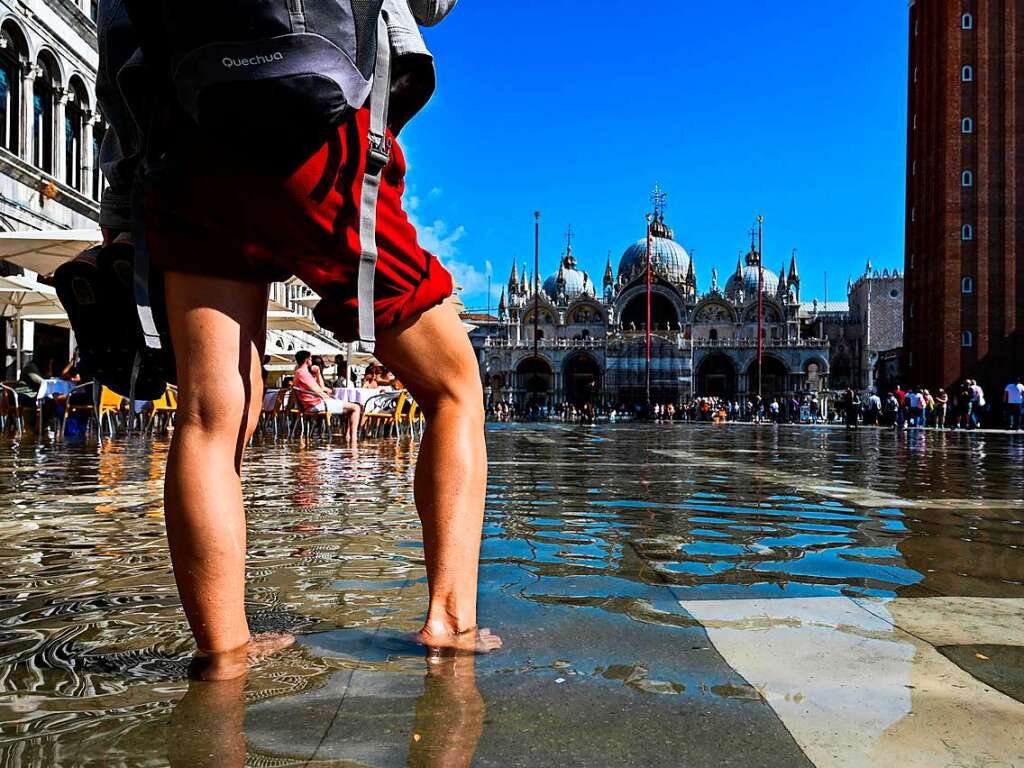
{"x": 667, "y": 595}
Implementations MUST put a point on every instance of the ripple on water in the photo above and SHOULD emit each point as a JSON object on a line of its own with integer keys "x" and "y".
{"x": 93, "y": 646}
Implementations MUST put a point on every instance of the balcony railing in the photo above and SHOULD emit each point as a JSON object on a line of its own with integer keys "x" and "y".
{"x": 675, "y": 338}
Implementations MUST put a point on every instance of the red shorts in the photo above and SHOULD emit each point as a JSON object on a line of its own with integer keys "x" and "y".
{"x": 223, "y": 218}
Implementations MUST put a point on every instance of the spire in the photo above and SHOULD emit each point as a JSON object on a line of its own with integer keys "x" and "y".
{"x": 739, "y": 265}
{"x": 609, "y": 275}
{"x": 502, "y": 306}
{"x": 570, "y": 260}
{"x": 794, "y": 276}
{"x": 513, "y": 280}
{"x": 780, "y": 289}
{"x": 691, "y": 276}
{"x": 524, "y": 283}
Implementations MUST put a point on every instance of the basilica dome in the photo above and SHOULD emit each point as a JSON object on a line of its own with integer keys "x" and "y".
{"x": 570, "y": 280}
{"x": 669, "y": 259}
{"x": 746, "y": 278}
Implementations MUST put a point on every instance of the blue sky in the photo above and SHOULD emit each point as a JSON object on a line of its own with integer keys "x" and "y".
{"x": 794, "y": 110}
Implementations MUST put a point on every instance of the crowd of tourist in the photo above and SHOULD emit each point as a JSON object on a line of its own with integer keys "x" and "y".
{"x": 966, "y": 407}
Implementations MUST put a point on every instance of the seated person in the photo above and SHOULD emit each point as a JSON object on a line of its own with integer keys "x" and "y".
{"x": 316, "y": 367}
{"x": 341, "y": 371}
{"x": 29, "y": 382}
{"x": 314, "y": 398}
{"x": 370, "y": 378}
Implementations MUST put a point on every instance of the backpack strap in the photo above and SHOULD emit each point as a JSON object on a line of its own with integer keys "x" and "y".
{"x": 377, "y": 157}
{"x": 142, "y": 268}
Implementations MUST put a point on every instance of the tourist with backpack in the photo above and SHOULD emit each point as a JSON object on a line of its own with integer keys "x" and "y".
{"x": 258, "y": 144}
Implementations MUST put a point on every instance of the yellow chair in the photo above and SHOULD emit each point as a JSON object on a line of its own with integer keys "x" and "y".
{"x": 377, "y": 418}
{"x": 111, "y": 406}
{"x": 164, "y": 409}
{"x": 416, "y": 420}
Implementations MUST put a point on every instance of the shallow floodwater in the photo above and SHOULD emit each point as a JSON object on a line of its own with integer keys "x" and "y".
{"x": 614, "y": 563}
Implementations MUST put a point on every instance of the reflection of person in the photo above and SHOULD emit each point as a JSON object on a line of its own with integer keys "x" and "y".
{"x": 449, "y": 714}
{"x": 206, "y": 728}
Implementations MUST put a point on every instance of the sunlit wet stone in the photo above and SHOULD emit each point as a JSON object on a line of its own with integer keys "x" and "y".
{"x": 667, "y": 596}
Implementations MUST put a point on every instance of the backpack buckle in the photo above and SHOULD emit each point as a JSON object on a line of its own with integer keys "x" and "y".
{"x": 378, "y": 154}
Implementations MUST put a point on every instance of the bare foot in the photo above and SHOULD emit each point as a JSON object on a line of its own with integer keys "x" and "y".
{"x": 471, "y": 640}
{"x": 227, "y": 665}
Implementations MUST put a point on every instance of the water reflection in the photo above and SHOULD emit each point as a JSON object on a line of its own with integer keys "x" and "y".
{"x": 592, "y": 537}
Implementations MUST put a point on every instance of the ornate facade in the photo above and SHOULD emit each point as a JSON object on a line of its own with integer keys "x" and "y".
{"x": 591, "y": 343}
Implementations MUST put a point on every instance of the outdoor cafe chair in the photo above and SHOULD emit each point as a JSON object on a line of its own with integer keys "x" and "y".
{"x": 277, "y": 412}
{"x": 71, "y": 408}
{"x": 163, "y": 410}
{"x": 306, "y": 418}
{"x": 10, "y": 406}
{"x": 380, "y": 412}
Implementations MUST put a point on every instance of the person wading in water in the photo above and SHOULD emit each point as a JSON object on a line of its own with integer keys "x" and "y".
{"x": 221, "y": 228}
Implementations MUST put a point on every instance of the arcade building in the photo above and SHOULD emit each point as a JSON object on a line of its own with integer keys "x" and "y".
{"x": 568, "y": 340}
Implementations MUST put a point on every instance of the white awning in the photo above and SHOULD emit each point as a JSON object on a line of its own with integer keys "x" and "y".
{"x": 44, "y": 251}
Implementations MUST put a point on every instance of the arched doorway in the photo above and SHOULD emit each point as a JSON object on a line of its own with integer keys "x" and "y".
{"x": 534, "y": 379}
{"x": 716, "y": 377}
{"x": 582, "y": 380}
{"x": 774, "y": 380}
{"x": 663, "y": 312}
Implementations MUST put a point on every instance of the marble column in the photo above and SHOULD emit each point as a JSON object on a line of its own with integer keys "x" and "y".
{"x": 60, "y": 134}
{"x": 85, "y": 183}
{"x": 28, "y": 139}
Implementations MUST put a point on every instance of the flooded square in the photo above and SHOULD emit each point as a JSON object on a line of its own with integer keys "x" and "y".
{"x": 667, "y": 595}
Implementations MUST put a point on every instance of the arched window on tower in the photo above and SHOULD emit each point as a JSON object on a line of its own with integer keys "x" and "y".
{"x": 967, "y": 179}
{"x": 967, "y": 339}
{"x": 44, "y": 97}
{"x": 967, "y": 285}
{"x": 967, "y": 73}
{"x": 967, "y": 232}
{"x": 967, "y": 21}
{"x": 967, "y": 125}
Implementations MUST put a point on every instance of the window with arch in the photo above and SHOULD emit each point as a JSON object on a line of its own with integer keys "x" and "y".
{"x": 967, "y": 339}
{"x": 12, "y": 49}
{"x": 967, "y": 21}
{"x": 713, "y": 334}
{"x": 75, "y": 114}
{"x": 44, "y": 99}
{"x": 967, "y": 73}
{"x": 967, "y": 125}
{"x": 967, "y": 179}
{"x": 967, "y": 285}
{"x": 967, "y": 232}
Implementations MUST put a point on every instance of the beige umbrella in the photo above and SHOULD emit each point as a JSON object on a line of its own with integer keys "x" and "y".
{"x": 23, "y": 298}
{"x": 44, "y": 251}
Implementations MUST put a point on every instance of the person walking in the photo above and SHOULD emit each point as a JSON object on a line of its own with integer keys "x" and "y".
{"x": 977, "y": 403}
{"x": 222, "y": 224}
{"x": 941, "y": 408}
{"x": 1013, "y": 401}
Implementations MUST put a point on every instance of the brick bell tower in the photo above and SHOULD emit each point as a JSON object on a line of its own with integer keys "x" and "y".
{"x": 964, "y": 308}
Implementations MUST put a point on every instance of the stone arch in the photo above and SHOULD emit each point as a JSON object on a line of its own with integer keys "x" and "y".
{"x": 716, "y": 376}
{"x": 581, "y": 306}
{"x": 667, "y": 307}
{"x": 582, "y": 377}
{"x": 714, "y": 310}
{"x": 773, "y": 311}
{"x": 535, "y": 379}
{"x": 775, "y": 379}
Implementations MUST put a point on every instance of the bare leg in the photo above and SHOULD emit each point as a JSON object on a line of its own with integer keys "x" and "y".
{"x": 431, "y": 353}
{"x": 218, "y": 328}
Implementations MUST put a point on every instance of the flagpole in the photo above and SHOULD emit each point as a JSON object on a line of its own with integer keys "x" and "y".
{"x": 650, "y": 247}
{"x": 760, "y": 308}
{"x": 536, "y": 280}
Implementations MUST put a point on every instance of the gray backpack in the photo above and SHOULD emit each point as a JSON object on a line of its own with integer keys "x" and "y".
{"x": 281, "y": 73}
